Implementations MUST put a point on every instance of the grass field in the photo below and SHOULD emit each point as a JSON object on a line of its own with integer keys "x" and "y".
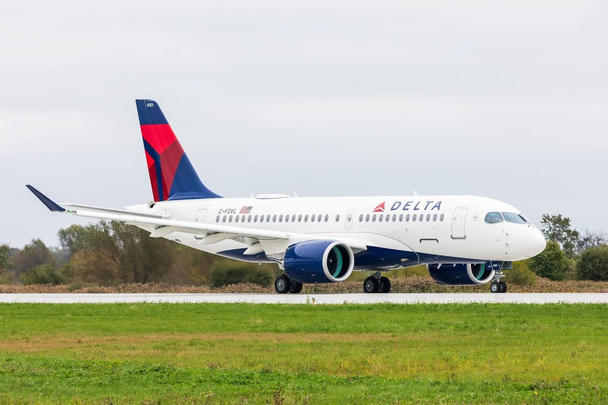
{"x": 153, "y": 353}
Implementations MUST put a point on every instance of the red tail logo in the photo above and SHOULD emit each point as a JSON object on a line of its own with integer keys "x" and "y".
{"x": 380, "y": 207}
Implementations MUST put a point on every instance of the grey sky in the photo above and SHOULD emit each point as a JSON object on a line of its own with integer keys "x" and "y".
{"x": 502, "y": 99}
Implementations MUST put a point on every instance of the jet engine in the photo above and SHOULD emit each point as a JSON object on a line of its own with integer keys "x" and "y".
{"x": 319, "y": 261}
{"x": 462, "y": 273}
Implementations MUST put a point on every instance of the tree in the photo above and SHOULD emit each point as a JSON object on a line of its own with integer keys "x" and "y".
{"x": 4, "y": 260}
{"x": 43, "y": 274}
{"x": 589, "y": 240}
{"x": 593, "y": 264}
{"x": 558, "y": 229}
{"x": 551, "y": 263}
{"x": 33, "y": 254}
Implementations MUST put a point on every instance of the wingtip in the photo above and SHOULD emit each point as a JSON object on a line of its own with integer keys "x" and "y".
{"x": 50, "y": 204}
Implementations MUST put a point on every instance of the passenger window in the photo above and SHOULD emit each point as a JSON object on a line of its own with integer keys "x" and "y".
{"x": 394, "y": 217}
{"x": 236, "y": 218}
{"x": 338, "y": 218}
{"x": 306, "y": 218}
{"x": 300, "y": 218}
{"x": 217, "y": 219}
{"x": 380, "y": 217}
{"x": 493, "y": 218}
{"x": 281, "y": 218}
{"x": 312, "y": 218}
{"x": 293, "y": 218}
{"x": 255, "y": 219}
{"x": 286, "y": 218}
{"x": 400, "y": 217}
{"x": 374, "y": 218}
{"x": 367, "y": 218}
{"x": 361, "y": 218}
{"x": 414, "y": 217}
{"x": 224, "y": 218}
{"x": 428, "y": 217}
{"x": 319, "y": 218}
{"x": 442, "y": 217}
{"x": 407, "y": 218}
{"x": 434, "y": 217}
{"x": 230, "y": 218}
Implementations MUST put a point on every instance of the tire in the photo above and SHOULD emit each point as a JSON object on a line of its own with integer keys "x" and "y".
{"x": 385, "y": 285}
{"x": 281, "y": 284}
{"x": 371, "y": 285}
{"x": 495, "y": 287}
{"x": 295, "y": 287}
{"x": 503, "y": 287}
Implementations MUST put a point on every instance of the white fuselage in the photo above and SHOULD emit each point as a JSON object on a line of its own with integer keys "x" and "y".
{"x": 400, "y": 231}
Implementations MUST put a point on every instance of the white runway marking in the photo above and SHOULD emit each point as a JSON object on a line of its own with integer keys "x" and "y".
{"x": 445, "y": 298}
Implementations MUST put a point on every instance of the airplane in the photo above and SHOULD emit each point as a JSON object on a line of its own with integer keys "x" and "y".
{"x": 463, "y": 240}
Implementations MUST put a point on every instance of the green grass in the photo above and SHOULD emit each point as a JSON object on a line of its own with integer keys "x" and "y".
{"x": 149, "y": 353}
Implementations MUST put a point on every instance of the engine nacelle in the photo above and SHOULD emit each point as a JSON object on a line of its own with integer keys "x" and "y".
{"x": 319, "y": 261}
{"x": 462, "y": 273}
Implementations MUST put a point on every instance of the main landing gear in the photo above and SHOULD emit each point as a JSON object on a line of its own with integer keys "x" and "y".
{"x": 376, "y": 284}
{"x": 283, "y": 285}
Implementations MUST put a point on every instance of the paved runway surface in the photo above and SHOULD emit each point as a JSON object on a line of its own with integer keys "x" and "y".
{"x": 512, "y": 298}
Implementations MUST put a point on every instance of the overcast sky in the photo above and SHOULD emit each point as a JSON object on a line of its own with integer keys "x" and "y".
{"x": 501, "y": 99}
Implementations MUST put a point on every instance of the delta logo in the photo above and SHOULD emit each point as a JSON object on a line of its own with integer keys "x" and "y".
{"x": 380, "y": 207}
{"x": 410, "y": 206}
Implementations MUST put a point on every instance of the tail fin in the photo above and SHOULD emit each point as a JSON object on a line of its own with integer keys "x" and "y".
{"x": 171, "y": 174}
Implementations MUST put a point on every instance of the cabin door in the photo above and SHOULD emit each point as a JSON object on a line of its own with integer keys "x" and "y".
{"x": 459, "y": 219}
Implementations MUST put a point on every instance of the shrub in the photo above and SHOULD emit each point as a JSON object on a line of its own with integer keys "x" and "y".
{"x": 593, "y": 264}
{"x": 521, "y": 274}
{"x": 231, "y": 272}
{"x": 43, "y": 274}
{"x": 552, "y": 263}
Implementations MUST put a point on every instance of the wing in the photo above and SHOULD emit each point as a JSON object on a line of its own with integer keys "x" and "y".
{"x": 271, "y": 241}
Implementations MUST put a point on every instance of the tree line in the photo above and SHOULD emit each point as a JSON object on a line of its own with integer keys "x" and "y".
{"x": 110, "y": 253}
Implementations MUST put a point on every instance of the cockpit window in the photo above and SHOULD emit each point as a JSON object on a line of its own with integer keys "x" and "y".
{"x": 493, "y": 218}
{"x": 514, "y": 218}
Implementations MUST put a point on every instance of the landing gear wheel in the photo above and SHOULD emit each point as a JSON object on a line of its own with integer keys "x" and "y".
{"x": 371, "y": 285}
{"x": 495, "y": 287}
{"x": 282, "y": 284}
{"x": 295, "y": 286}
{"x": 385, "y": 285}
{"x": 503, "y": 287}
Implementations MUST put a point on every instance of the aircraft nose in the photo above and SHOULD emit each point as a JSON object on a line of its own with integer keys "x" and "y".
{"x": 538, "y": 243}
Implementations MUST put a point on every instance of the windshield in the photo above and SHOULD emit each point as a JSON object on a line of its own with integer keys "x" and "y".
{"x": 493, "y": 217}
{"x": 514, "y": 218}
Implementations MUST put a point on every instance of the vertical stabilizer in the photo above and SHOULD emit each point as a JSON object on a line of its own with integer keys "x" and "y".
{"x": 172, "y": 176}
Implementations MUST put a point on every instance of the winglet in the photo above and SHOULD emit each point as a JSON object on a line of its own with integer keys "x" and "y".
{"x": 50, "y": 204}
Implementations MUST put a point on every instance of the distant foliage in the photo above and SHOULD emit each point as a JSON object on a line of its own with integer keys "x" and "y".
{"x": 552, "y": 263}
{"x": 34, "y": 254}
{"x": 521, "y": 274}
{"x": 593, "y": 264}
{"x": 232, "y": 272}
{"x": 44, "y": 274}
{"x": 558, "y": 228}
{"x": 4, "y": 260}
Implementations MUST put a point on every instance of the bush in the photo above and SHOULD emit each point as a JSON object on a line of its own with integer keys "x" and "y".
{"x": 552, "y": 263}
{"x": 520, "y": 275}
{"x": 593, "y": 264}
{"x": 43, "y": 274}
{"x": 232, "y": 272}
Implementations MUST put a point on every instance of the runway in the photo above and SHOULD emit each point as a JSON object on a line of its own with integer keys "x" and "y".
{"x": 313, "y": 299}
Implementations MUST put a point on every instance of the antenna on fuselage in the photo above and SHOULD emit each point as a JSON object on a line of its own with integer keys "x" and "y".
{"x": 415, "y": 192}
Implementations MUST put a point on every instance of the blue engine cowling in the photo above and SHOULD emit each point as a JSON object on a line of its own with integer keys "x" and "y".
{"x": 319, "y": 261}
{"x": 462, "y": 273}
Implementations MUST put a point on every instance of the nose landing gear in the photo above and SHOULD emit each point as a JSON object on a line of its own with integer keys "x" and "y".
{"x": 498, "y": 286}
{"x": 377, "y": 284}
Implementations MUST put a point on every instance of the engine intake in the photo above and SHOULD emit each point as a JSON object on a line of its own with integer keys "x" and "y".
{"x": 319, "y": 261}
{"x": 462, "y": 273}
